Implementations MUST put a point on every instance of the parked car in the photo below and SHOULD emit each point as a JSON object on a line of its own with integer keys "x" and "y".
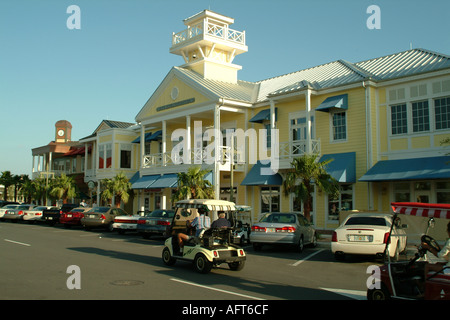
{"x": 51, "y": 216}
{"x": 7, "y": 207}
{"x": 409, "y": 279}
{"x": 4, "y": 203}
{"x": 101, "y": 217}
{"x": 35, "y": 214}
{"x": 16, "y": 213}
{"x": 212, "y": 247}
{"x": 367, "y": 234}
{"x": 155, "y": 223}
{"x": 283, "y": 228}
{"x": 73, "y": 217}
{"x": 124, "y": 223}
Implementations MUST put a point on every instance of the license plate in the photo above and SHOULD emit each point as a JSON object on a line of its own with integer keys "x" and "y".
{"x": 69, "y": 216}
{"x": 270, "y": 229}
{"x": 360, "y": 238}
{"x": 92, "y": 216}
{"x": 50, "y": 218}
{"x": 151, "y": 222}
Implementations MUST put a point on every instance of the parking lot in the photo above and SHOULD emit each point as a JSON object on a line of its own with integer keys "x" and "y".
{"x": 36, "y": 260}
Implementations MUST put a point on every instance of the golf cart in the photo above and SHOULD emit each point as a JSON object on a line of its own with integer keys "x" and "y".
{"x": 242, "y": 216}
{"x": 407, "y": 279}
{"x": 211, "y": 248}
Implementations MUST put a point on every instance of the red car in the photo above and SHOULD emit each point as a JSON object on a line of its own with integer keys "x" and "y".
{"x": 73, "y": 217}
{"x": 408, "y": 279}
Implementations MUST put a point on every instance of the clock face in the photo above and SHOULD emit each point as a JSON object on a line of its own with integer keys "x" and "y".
{"x": 60, "y": 132}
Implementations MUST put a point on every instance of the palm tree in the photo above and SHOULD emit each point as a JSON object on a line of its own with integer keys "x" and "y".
{"x": 7, "y": 180}
{"x": 192, "y": 185}
{"x": 306, "y": 173}
{"x": 63, "y": 187}
{"x": 118, "y": 188}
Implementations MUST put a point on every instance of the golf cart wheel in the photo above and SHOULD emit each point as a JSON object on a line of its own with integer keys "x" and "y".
{"x": 379, "y": 294}
{"x": 237, "y": 266}
{"x": 167, "y": 257}
{"x": 201, "y": 264}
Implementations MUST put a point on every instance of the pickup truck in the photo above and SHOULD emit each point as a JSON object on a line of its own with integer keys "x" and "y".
{"x": 51, "y": 216}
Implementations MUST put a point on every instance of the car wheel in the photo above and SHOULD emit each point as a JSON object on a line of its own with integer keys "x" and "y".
{"x": 167, "y": 257}
{"x": 314, "y": 241}
{"x": 379, "y": 294}
{"x": 300, "y": 245}
{"x": 110, "y": 227}
{"x": 201, "y": 264}
{"x": 242, "y": 240}
{"x": 236, "y": 266}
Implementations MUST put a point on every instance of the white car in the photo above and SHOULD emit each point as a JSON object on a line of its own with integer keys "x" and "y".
{"x": 126, "y": 223}
{"x": 35, "y": 214}
{"x": 367, "y": 234}
{"x": 7, "y": 207}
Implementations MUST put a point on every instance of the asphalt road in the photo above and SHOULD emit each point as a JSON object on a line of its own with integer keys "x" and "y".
{"x": 35, "y": 264}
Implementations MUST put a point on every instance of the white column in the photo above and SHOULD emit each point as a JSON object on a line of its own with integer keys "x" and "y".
{"x": 50, "y": 158}
{"x": 142, "y": 144}
{"x": 308, "y": 121}
{"x": 217, "y": 142}
{"x": 187, "y": 142}
{"x": 164, "y": 142}
{"x": 32, "y": 165}
{"x": 85, "y": 158}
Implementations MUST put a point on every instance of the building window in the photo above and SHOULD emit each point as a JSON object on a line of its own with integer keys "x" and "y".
{"x": 270, "y": 199}
{"x": 339, "y": 126}
{"x": 343, "y": 201}
{"x": 399, "y": 118}
{"x": 442, "y": 113}
{"x": 443, "y": 192}
{"x": 420, "y": 116}
{"x": 402, "y": 192}
{"x": 125, "y": 156}
{"x": 104, "y": 152}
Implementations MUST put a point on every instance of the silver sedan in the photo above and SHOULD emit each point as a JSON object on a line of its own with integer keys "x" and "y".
{"x": 283, "y": 228}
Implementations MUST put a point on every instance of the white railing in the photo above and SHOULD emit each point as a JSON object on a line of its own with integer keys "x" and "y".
{"x": 210, "y": 29}
{"x": 198, "y": 156}
{"x": 298, "y": 148}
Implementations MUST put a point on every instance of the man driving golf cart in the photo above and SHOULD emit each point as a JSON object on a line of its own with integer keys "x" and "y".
{"x": 211, "y": 247}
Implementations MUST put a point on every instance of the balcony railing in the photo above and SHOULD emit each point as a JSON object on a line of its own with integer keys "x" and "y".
{"x": 210, "y": 29}
{"x": 297, "y": 148}
{"x": 198, "y": 156}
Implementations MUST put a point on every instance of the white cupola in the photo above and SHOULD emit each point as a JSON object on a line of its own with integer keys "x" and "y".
{"x": 208, "y": 46}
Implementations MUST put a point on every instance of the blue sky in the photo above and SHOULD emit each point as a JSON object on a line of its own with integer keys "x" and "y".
{"x": 110, "y": 67}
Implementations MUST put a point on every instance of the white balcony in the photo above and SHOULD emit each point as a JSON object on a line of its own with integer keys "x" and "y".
{"x": 208, "y": 33}
{"x": 296, "y": 148}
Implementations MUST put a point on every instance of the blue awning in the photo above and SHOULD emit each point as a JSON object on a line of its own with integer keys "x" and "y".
{"x": 343, "y": 166}
{"x": 339, "y": 102}
{"x": 146, "y": 138}
{"x": 165, "y": 181}
{"x": 409, "y": 169}
{"x": 145, "y": 182}
{"x": 134, "y": 178}
{"x": 155, "y": 136}
{"x": 262, "y": 116}
{"x": 256, "y": 178}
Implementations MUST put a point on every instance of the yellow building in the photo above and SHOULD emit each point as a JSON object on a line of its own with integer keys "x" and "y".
{"x": 376, "y": 119}
{"x": 112, "y": 151}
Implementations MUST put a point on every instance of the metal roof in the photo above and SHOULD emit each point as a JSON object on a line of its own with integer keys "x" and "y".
{"x": 332, "y": 74}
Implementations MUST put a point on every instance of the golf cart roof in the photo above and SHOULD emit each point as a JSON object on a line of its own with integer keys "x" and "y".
{"x": 435, "y": 210}
{"x": 215, "y": 205}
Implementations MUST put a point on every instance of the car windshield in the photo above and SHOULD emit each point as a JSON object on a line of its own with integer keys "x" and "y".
{"x": 366, "y": 221}
{"x": 40, "y": 208}
{"x": 279, "y": 217}
{"x": 24, "y": 207}
{"x": 161, "y": 214}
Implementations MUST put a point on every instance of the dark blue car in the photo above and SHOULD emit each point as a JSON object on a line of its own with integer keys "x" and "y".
{"x": 155, "y": 223}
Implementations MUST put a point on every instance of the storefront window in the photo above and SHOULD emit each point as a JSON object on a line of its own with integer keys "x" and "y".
{"x": 443, "y": 191}
{"x": 402, "y": 192}
{"x": 343, "y": 201}
{"x": 270, "y": 199}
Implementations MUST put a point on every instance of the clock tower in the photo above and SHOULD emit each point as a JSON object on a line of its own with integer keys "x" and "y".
{"x": 63, "y": 131}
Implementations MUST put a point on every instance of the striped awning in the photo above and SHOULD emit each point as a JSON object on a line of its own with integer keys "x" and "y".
{"x": 428, "y": 210}
{"x": 213, "y": 205}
